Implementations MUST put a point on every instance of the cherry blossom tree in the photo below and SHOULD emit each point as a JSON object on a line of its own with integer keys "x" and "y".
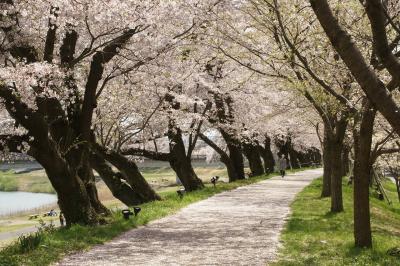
{"x": 55, "y": 68}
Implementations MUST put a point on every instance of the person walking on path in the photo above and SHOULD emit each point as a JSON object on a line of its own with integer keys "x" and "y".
{"x": 282, "y": 165}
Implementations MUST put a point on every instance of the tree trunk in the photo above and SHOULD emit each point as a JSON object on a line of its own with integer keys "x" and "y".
{"x": 224, "y": 157}
{"x": 235, "y": 154}
{"x": 130, "y": 172}
{"x": 336, "y": 179}
{"x": 362, "y": 173}
{"x": 253, "y": 156}
{"x": 327, "y": 158}
{"x": 88, "y": 178}
{"x": 72, "y": 195}
{"x": 184, "y": 171}
{"x": 268, "y": 157}
{"x": 179, "y": 161}
{"x": 294, "y": 160}
{"x": 232, "y": 174}
{"x": 113, "y": 180}
{"x": 346, "y": 161}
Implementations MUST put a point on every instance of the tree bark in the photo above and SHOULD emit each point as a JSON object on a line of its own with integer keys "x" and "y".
{"x": 336, "y": 179}
{"x": 73, "y": 198}
{"x": 294, "y": 159}
{"x": 327, "y": 158}
{"x": 337, "y": 150}
{"x": 268, "y": 157}
{"x": 362, "y": 173}
{"x": 345, "y": 161}
{"x": 235, "y": 154}
{"x": 252, "y": 154}
{"x": 114, "y": 181}
{"x": 180, "y": 162}
{"x": 224, "y": 157}
{"x": 87, "y": 176}
{"x": 130, "y": 172}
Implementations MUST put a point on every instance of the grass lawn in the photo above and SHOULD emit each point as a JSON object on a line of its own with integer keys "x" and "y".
{"x": 35, "y": 181}
{"x": 313, "y": 236}
{"x": 158, "y": 177}
{"x": 54, "y": 245}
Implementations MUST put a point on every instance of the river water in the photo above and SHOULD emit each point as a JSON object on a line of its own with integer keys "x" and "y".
{"x": 13, "y": 202}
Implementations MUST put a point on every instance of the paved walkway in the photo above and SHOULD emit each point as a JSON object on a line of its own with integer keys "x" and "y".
{"x": 240, "y": 227}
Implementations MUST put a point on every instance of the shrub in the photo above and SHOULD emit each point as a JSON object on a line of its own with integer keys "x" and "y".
{"x": 29, "y": 242}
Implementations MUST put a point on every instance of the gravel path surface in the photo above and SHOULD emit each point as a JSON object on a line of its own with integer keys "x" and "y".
{"x": 239, "y": 227}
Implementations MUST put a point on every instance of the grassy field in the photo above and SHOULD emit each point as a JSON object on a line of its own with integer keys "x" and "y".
{"x": 160, "y": 178}
{"x": 35, "y": 181}
{"x": 55, "y": 244}
{"x": 8, "y": 182}
{"x": 313, "y": 236}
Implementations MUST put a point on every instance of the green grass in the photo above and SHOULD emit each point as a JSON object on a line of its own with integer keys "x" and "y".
{"x": 35, "y": 181}
{"x": 313, "y": 236}
{"x": 8, "y": 182}
{"x": 55, "y": 245}
{"x": 13, "y": 227}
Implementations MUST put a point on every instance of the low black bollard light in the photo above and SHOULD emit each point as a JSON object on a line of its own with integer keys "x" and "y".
{"x": 127, "y": 213}
{"x": 181, "y": 192}
{"x": 214, "y": 180}
{"x": 136, "y": 210}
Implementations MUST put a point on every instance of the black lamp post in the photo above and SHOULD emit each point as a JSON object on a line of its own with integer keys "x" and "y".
{"x": 136, "y": 210}
{"x": 126, "y": 213}
{"x": 181, "y": 192}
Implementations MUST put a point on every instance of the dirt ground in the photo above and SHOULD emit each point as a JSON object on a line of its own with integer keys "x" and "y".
{"x": 240, "y": 227}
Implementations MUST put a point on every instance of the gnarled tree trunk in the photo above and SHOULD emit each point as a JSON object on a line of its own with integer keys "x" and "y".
{"x": 252, "y": 154}
{"x": 88, "y": 178}
{"x": 235, "y": 154}
{"x": 130, "y": 172}
{"x": 73, "y": 198}
{"x": 115, "y": 182}
{"x": 180, "y": 162}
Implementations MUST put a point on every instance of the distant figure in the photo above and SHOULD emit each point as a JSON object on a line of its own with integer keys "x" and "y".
{"x": 282, "y": 165}
{"x": 62, "y": 219}
{"x": 214, "y": 180}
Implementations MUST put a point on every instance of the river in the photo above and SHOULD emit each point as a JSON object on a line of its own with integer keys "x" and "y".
{"x": 14, "y": 202}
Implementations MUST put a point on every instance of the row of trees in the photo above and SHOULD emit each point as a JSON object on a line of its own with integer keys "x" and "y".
{"x": 92, "y": 85}
{"x": 346, "y": 66}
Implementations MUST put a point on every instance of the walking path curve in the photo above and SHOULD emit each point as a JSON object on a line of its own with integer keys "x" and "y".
{"x": 239, "y": 227}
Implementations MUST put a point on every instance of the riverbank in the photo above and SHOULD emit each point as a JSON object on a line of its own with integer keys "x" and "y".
{"x": 314, "y": 236}
{"x": 35, "y": 182}
{"x": 159, "y": 177}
